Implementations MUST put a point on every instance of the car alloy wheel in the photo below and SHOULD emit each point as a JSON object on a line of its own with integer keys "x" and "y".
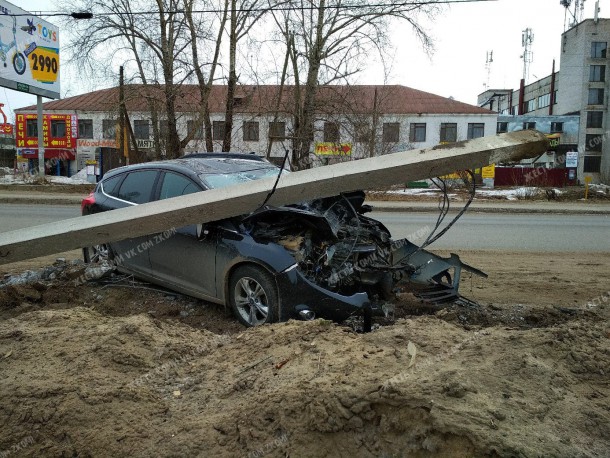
{"x": 96, "y": 253}
{"x": 253, "y": 296}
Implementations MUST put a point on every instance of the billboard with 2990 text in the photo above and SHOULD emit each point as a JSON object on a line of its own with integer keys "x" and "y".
{"x": 29, "y": 52}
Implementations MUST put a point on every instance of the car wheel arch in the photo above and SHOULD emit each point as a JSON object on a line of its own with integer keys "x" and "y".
{"x": 246, "y": 262}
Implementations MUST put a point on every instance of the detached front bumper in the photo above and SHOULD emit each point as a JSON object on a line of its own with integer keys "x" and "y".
{"x": 297, "y": 293}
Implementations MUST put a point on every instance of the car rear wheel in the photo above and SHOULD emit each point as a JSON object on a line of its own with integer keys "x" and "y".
{"x": 253, "y": 296}
{"x": 97, "y": 253}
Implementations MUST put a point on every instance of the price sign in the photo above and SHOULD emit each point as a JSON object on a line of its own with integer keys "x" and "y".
{"x": 44, "y": 64}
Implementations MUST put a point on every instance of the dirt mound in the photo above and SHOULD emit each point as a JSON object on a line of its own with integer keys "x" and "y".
{"x": 118, "y": 367}
{"x": 76, "y": 382}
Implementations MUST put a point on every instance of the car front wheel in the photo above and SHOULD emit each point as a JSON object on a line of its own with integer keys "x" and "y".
{"x": 253, "y": 296}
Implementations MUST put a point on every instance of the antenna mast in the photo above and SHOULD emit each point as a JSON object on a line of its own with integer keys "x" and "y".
{"x": 488, "y": 61}
{"x": 527, "y": 37}
{"x": 577, "y": 13}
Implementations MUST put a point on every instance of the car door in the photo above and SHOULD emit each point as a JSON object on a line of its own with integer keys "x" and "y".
{"x": 184, "y": 258}
{"x": 136, "y": 188}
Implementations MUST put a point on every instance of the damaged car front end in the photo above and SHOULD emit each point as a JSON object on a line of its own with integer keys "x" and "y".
{"x": 347, "y": 263}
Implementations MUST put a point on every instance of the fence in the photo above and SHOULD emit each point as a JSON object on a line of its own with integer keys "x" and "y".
{"x": 531, "y": 176}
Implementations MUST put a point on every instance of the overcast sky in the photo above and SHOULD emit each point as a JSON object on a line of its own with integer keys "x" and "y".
{"x": 463, "y": 34}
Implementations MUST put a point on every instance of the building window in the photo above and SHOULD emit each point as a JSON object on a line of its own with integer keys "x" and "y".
{"x": 196, "y": 128}
{"x": 597, "y": 73}
{"x": 250, "y": 129}
{"x": 31, "y": 127}
{"x": 475, "y": 130}
{"x": 513, "y": 110}
{"x": 592, "y": 164}
{"x": 277, "y": 130}
{"x": 448, "y": 132}
{"x": 596, "y": 96}
{"x": 391, "y": 132}
{"x": 529, "y": 125}
{"x": 528, "y": 106}
{"x": 544, "y": 100}
{"x": 555, "y": 97}
{"x": 108, "y": 128}
{"x": 417, "y": 132}
{"x": 595, "y": 119}
{"x": 362, "y": 132}
{"x": 141, "y": 129}
{"x": 58, "y": 128}
{"x": 218, "y": 130}
{"x": 556, "y": 127}
{"x": 85, "y": 128}
{"x": 593, "y": 142}
{"x": 502, "y": 127}
{"x": 598, "y": 49}
{"x": 331, "y": 132}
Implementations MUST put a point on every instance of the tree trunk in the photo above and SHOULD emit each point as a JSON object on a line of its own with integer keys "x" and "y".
{"x": 305, "y": 129}
{"x": 232, "y": 83}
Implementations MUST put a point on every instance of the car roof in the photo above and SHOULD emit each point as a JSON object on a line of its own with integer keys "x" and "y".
{"x": 201, "y": 163}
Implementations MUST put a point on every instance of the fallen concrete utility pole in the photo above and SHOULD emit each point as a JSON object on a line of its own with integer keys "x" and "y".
{"x": 217, "y": 204}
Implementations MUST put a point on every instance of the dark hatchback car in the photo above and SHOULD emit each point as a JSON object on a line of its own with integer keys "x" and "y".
{"x": 318, "y": 258}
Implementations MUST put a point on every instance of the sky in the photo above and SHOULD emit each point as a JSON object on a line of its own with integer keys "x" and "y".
{"x": 463, "y": 35}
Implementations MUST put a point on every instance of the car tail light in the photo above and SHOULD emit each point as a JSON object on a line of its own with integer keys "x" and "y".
{"x": 87, "y": 202}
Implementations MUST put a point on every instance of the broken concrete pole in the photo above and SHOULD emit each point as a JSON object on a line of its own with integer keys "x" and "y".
{"x": 244, "y": 198}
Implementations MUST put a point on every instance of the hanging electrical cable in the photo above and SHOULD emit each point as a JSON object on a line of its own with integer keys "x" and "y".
{"x": 277, "y": 180}
{"x": 461, "y": 212}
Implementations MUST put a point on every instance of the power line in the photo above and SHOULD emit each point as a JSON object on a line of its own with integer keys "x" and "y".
{"x": 89, "y": 15}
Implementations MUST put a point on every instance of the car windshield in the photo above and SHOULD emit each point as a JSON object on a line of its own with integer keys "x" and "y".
{"x": 221, "y": 180}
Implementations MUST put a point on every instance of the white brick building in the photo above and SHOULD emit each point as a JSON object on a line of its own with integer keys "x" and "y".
{"x": 370, "y": 119}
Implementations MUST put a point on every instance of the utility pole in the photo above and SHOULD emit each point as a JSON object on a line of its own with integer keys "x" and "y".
{"x": 123, "y": 147}
{"x": 39, "y": 125}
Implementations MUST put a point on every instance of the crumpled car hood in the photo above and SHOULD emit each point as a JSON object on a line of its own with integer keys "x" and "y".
{"x": 340, "y": 249}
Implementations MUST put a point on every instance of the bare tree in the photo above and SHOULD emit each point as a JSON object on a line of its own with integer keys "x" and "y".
{"x": 205, "y": 84}
{"x": 243, "y": 17}
{"x": 331, "y": 42}
{"x": 152, "y": 39}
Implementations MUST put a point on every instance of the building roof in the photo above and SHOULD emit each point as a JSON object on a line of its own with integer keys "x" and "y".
{"x": 262, "y": 99}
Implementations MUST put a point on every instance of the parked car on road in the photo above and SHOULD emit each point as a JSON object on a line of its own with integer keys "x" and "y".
{"x": 318, "y": 258}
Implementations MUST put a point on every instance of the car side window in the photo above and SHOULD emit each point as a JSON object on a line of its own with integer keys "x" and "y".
{"x": 110, "y": 185}
{"x": 175, "y": 185}
{"x": 137, "y": 186}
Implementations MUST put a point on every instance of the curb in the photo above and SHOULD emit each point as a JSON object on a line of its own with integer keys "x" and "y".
{"x": 475, "y": 209}
{"x": 378, "y": 206}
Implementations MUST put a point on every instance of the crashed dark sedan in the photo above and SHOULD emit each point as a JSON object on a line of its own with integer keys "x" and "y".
{"x": 320, "y": 258}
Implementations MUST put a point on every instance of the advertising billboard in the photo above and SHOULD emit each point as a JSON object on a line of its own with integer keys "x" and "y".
{"x": 29, "y": 52}
{"x": 333, "y": 149}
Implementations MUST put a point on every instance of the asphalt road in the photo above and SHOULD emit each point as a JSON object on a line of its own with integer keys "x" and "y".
{"x": 477, "y": 231}
{"x": 516, "y": 232}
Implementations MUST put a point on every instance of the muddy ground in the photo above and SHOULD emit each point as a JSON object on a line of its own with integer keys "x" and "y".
{"x": 119, "y": 368}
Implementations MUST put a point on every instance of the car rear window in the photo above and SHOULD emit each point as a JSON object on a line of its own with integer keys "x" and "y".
{"x": 110, "y": 186}
{"x": 138, "y": 186}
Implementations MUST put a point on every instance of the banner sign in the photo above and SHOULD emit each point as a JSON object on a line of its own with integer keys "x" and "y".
{"x": 572, "y": 159}
{"x": 488, "y": 171}
{"x": 333, "y": 149}
{"x": 58, "y": 131}
{"x": 554, "y": 140}
{"x": 29, "y": 52}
